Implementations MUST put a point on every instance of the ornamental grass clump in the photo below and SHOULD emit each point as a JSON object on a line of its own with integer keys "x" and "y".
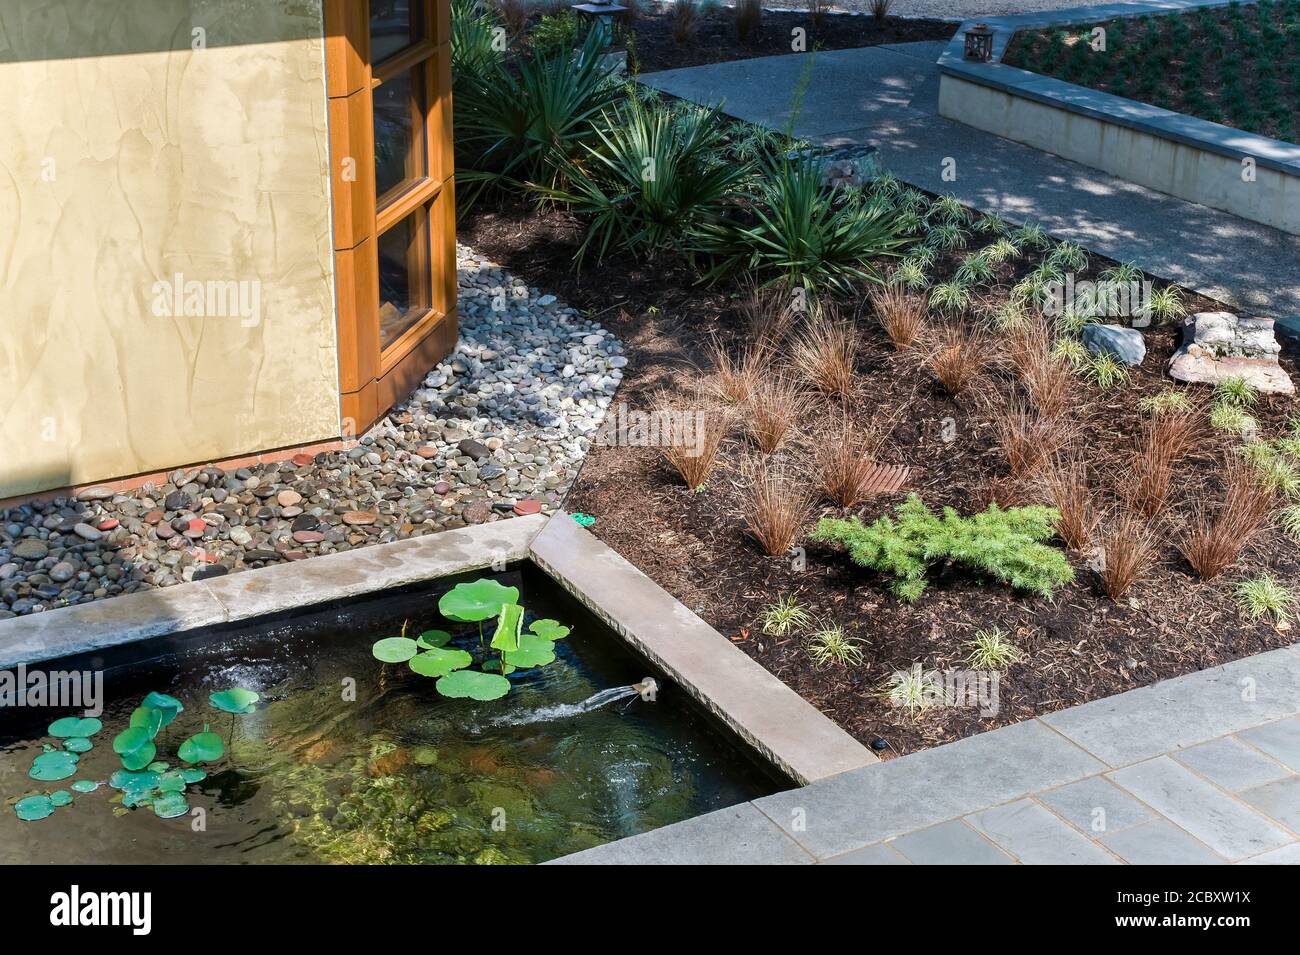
{"x": 778, "y": 506}
{"x": 1005, "y": 544}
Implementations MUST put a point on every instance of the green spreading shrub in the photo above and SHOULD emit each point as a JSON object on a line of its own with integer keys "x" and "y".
{"x": 555, "y": 33}
{"x": 1005, "y": 544}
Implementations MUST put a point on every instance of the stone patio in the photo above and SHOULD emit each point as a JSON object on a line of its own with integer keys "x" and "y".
{"x": 1202, "y": 769}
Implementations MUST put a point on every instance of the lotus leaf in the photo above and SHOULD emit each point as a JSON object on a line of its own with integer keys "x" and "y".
{"x": 474, "y": 685}
{"x": 171, "y": 805}
{"x": 135, "y": 746}
{"x": 172, "y": 782}
{"x": 60, "y": 797}
{"x": 394, "y": 650}
{"x": 533, "y": 652}
{"x": 85, "y": 786}
{"x": 433, "y": 638}
{"x": 133, "y": 781}
{"x": 158, "y": 766}
{"x": 54, "y": 765}
{"x": 169, "y": 705}
{"x": 77, "y": 744}
{"x": 440, "y": 661}
{"x": 74, "y": 726}
{"x": 476, "y": 600}
{"x": 147, "y": 718}
{"x": 205, "y": 747}
{"x": 193, "y": 775}
{"x": 509, "y": 624}
{"x": 33, "y": 808}
{"x": 234, "y": 700}
{"x": 549, "y": 629}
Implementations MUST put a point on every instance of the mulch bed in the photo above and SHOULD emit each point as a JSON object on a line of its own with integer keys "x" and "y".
{"x": 716, "y": 41}
{"x": 1079, "y": 647}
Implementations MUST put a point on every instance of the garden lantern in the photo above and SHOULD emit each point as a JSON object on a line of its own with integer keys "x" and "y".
{"x": 602, "y": 15}
{"x": 979, "y": 43}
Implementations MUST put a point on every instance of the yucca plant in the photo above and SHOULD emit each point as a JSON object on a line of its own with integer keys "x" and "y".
{"x": 653, "y": 178}
{"x": 474, "y": 50}
{"x": 801, "y": 232}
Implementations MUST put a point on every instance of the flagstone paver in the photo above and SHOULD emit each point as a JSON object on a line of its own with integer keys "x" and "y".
{"x": 1036, "y": 797}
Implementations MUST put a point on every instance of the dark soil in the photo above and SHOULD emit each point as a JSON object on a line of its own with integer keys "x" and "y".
{"x": 1079, "y": 647}
{"x": 716, "y": 39}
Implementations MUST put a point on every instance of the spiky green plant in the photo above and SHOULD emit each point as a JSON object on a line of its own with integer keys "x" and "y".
{"x": 992, "y": 649}
{"x": 1070, "y": 350}
{"x": 1235, "y": 390}
{"x": 1123, "y": 273}
{"x": 992, "y": 224}
{"x": 949, "y": 209}
{"x": 1069, "y": 256}
{"x": 784, "y": 617}
{"x": 1264, "y": 595}
{"x": 975, "y": 269}
{"x": 1228, "y": 417}
{"x": 1009, "y": 315}
{"x": 950, "y": 297}
{"x": 947, "y": 237}
{"x": 1289, "y": 518}
{"x": 923, "y": 255}
{"x": 914, "y": 690}
{"x": 1169, "y": 401}
{"x": 909, "y": 274}
{"x": 830, "y": 644}
{"x": 1105, "y": 371}
{"x": 1166, "y": 304}
{"x": 1072, "y": 321}
{"x": 1001, "y": 250}
{"x": 1031, "y": 236}
{"x": 912, "y": 199}
{"x": 1005, "y": 544}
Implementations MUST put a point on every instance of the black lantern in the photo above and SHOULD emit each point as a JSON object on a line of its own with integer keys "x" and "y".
{"x": 979, "y": 43}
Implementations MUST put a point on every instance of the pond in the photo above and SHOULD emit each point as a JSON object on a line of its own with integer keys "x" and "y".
{"x": 344, "y": 759}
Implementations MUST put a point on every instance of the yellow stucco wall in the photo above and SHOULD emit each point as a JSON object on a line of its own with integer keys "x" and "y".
{"x": 127, "y": 156}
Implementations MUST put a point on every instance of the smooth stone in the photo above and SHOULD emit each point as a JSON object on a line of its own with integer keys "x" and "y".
{"x": 527, "y": 506}
{"x": 96, "y": 494}
{"x": 288, "y": 498}
{"x": 427, "y": 452}
{"x": 108, "y": 524}
{"x": 473, "y": 449}
{"x": 1125, "y": 344}
{"x": 305, "y": 522}
{"x": 210, "y": 570}
{"x": 360, "y": 518}
{"x": 308, "y": 537}
{"x": 30, "y": 549}
{"x": 177, "y": 501}
{"x": 477, "y": 513}
{"x": 86, "y": 532}
{"x": 62, "y": 572}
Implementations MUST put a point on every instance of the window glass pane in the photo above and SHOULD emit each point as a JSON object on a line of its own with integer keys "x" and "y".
{"x": 394, "y": 25}
{"x": 403, "y": 278}
{"x": 399, "y": 145}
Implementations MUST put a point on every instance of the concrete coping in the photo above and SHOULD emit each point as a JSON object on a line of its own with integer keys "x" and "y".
{"x": 1199, "y": 133}
{"x": 770, "y": 717}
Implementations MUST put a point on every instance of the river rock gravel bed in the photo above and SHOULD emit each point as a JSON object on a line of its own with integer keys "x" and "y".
{"x": 503, "y": 423}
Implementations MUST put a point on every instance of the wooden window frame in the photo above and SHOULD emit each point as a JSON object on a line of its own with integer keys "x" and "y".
{"x": 372, "y": 378}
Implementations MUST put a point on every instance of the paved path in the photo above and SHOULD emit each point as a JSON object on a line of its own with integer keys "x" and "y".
{"x": 1202, "y": 769}
{"x": 888, "y": 96}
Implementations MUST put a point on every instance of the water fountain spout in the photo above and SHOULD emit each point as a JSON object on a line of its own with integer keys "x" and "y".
{"x": 647, "y": 689}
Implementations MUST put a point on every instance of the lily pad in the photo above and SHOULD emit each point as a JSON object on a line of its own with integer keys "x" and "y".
{"x": 60, "y": 797}
{"x": 533, "y": 652}
{"x": 205, "y": 747}
{"x": 147, "y": 718}
{"x": 168, "y": 705}
{"x": 32, "y": 808}
{"x": 234, "y": 700}
{"x": 433, "y": 638}
{"x": 54, "y": 765}
{"x": 129, "y": 781}
{"x": 440, "y": 661}
{"x": 476, "y": 600}
{"x": 75, "y": 726}
{"x": 171, "y": 782}
{"x": 171, "y": 805}
{"x": 549, "y": 629}
{"x": 394, "y": 649}
{"x": 157, "y": 766}
{"x": 77, "y": 744}
{"x": 135, "y": 746}
{"x": 85, "y": 786}
{"x": 193, "y": 775}
{"x": 510, "y": 622}
{"x": 474, "y": 685}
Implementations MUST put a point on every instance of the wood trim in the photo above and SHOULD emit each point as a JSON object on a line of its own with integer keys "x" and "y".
{"x": 352, "y": 170}
{"x": 347, "y": 47}
{"x": 409, "y": 371}
{"x": 399, "y": 63}
{"x": 357, "y": 277}
{"x": 404, "y": 203}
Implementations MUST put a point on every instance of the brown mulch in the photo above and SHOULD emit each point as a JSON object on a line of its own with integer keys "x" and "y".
{"x": 1079, "y": 647}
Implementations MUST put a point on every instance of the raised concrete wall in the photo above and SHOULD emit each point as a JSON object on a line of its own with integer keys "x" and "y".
{"x": 142, "y": 140}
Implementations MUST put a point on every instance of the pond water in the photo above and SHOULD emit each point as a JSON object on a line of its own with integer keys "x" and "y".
{"x": 396, "y": 775}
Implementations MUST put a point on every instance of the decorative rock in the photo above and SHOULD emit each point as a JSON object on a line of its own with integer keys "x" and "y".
{"x": 177, "y": 501}
{"x": 427, "y": 452}
{"x": 288, "y": 498}
{"x": 528, "y": 506}
{"x": 86, "y": 532}
{"x": 62, "y": 572}
{"x": 1218, "y": 345}
{"x": 96, "y": 494}
{"x": 211, "y": 570}
{"x": 1125, "y": 344}
{"x": 30, "y": 549}
{"x": 302, "y": 460}
{"x": 308, "y": 537}
{"x": 442, "y": 488}
{"x": 477, "y": 513}
{"x": 360, "y": 518}
{"x": 107, "y": 525}
{"x": 473, "y": 449}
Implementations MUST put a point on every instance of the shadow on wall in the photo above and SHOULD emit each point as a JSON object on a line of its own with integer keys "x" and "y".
{"x": 33, "y": 30}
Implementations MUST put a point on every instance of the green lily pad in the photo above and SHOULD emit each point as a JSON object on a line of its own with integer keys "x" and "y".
{"x": 510, "y": 622}
{"x": 32, "y": 808}
{"x": 476, "y": 600}
{"x": 473, "y": 684}
{"x": 85, "y": 786}
{"x": 205, "y": 747}
{"x": 157, "y": 766}
{"x": 74, "y": 726}
{"x": 148, "y": 719}
{"x": 433, "y": 638}
{"x": 234, "y": 700}
{"x": 394, "y": 649}
{"x": 54, "y": 765}
{"x": 439, "y": 661}
{"x": 168, "y": 705}
{"x": 171, "y": 805}
{"x": 549, "y": 629}
{"x": 193, "y": 775}
{"x": 533, "y": 652}
{"x": 135, "y": 746}
{"x": 171, "y": 782}
{"x": 61, "y": 797}
{"x": 129, "y": 781}
{"x": 77, "y": 744}
{"x": 132, "y": 799}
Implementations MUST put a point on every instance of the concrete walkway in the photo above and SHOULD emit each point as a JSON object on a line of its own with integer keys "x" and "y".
{"x": 888, "y": 96}
{"x": 1202, "y": 769}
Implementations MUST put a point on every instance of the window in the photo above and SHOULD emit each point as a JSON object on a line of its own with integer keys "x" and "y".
{"x": 389, "y": 76}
